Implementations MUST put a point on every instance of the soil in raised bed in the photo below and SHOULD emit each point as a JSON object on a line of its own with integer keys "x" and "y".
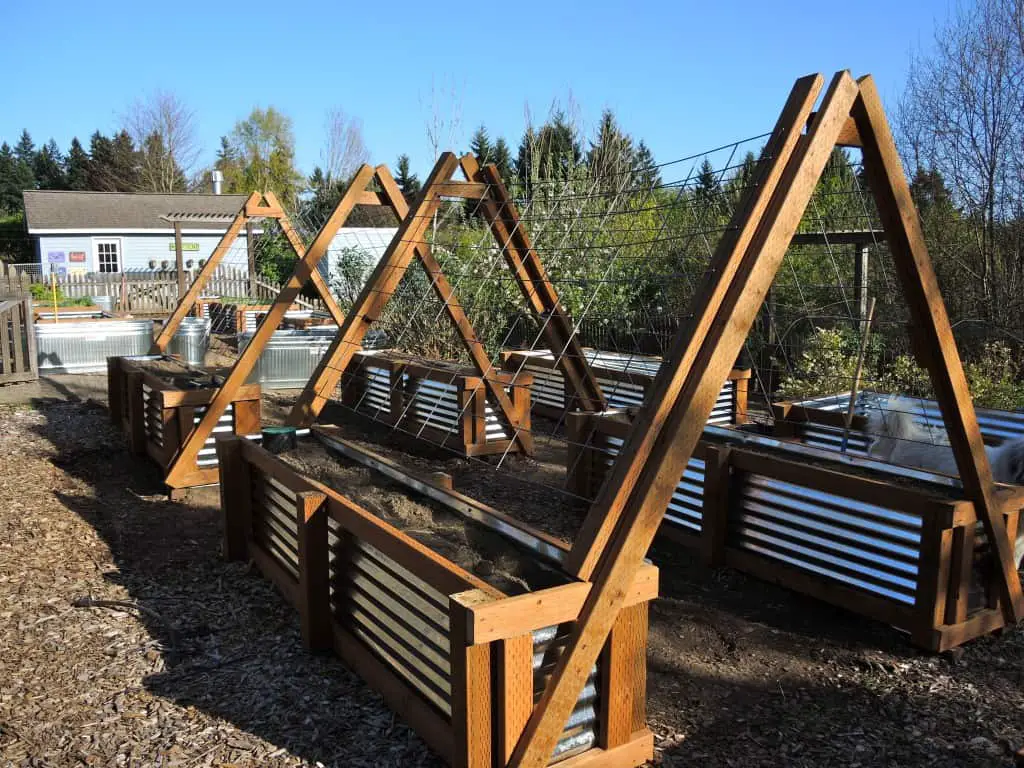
{"x": 469, "y": 545}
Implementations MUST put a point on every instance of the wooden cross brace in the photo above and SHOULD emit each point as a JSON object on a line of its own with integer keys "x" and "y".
{"x": 256, "y": 206}
{"x": 630, "y": 507}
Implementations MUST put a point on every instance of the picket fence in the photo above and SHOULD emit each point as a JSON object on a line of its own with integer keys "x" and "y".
{"x": 144, "y": 291}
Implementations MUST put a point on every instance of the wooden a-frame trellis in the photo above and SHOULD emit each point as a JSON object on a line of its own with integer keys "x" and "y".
{"x": 626, "y": 514}
{"x": 256, "y": 206}
{"x": 483, "y": 184}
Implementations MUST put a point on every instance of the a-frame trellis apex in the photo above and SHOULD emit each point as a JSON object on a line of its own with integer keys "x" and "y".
{"x": 305, "y": 270}
{"x": 631, "y": 505}
{"x": 408, "y": 243}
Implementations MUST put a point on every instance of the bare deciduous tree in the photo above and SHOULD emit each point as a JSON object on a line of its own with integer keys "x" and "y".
{"x": 444, "y": 117}
{"x": 963, "y": 115}
{"x": 345, "y": 149}
{"x": 164, "y": 129}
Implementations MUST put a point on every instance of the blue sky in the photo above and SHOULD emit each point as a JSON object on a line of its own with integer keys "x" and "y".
{"x": 684, "y": 76}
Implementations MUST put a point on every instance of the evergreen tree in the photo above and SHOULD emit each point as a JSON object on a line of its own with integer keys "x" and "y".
{"x": 708, "y": 192}
{"x": 76, "y": 166}
{"x": 101, "y": 163}
{"x": 552, "y": 153}
{"x": 480, "y": 145}
{"x": 647, "y": 174}
{"x": 49, "y": 167}
{"x": 10, "y": 194}
{"x": 127, "y": 163}
{"x": 227, "y": 163}
{"x": 610, "y": 158}
{"x": 25, "y": 149}
{"x": 503, "y": 159}
{"x": 407, "y": 181}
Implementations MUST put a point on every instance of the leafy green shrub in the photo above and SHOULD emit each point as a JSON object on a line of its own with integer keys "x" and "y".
{"x": 902, "y": 375}
{"x": 826, "y": 365}
{"x": 42, "y": 292}
{"x": 994, "y": 378}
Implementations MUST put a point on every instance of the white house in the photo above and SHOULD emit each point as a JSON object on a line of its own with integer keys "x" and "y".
{"x": 76, "y": 232}
{"x": 352, "y": 255}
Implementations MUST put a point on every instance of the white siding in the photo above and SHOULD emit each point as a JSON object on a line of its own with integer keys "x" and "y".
{"x": 137, "y": 250}
{"x": 368, "y": 243}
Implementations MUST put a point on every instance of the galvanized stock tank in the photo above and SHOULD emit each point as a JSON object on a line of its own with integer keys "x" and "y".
{"x": 83, "y": 347}
{"x": 291, "y": 357}
{"x": 191, "y": 340}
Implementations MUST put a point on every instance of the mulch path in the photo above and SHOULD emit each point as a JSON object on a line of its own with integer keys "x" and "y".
{"x": 127, "y": 641}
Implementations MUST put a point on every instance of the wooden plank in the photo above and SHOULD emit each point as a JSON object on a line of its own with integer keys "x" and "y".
{"x": 527, "y": 269}
{"x": 453, "y": 308}
{"x": 186, "y": 302}
{"x": 513, "y": 616}
{"x": 933, "y": 568}
{"x": 683, "y": 396}
{"x": 17, "y": 324}
{"x": 314, "y": 571}
{"x": 467, "y": 190}
{"x": 624, "y": 678}
{"x": 900, "y": 219}
{"x": 250, "y": 257}
{"x": 513, "y": 691}
{"x": 235, "y": 497}
{"x": 471, "y": 687}
{"x": 982, "y": 623}
{"x": 715, "y": 511}
{"x": 962, "y": 553}
{"x": 372, "y": 299}
{"x": 404, "y": 700}
{"x": 33, "y": 353}
{"x": 637, "y": 752}
{"x": 302, "y": 272}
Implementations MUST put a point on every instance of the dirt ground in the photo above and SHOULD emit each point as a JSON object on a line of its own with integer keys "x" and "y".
{"x": 127, "y": 641}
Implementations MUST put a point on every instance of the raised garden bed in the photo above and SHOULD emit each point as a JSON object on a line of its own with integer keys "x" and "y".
{"x": 231, "y": 315}
{"x": 623, "y": 378}
{"x": 894, "y": 544}
{"x": 83, "y": 345}
{"x": 455, "y": 625}
{"x": 440, "y": 401}
{"x": 157, "y": 401}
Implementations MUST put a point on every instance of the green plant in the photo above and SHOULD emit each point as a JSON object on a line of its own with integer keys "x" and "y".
{"x": 827, "y": 364}
{"x": 994, "y": 378}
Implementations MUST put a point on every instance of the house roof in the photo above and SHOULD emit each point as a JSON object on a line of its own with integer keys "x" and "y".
{"x": 62, "y": 210}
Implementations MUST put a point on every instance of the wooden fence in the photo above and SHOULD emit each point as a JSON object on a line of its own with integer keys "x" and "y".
{"x": 144, "y": 291}
{"x": 17, "y": 342}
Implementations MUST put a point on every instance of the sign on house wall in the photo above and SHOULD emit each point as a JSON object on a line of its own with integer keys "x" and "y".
{"x": 184, "y": 246}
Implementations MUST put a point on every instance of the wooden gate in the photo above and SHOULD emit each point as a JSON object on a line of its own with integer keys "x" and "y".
{"x": 17, "y": 342}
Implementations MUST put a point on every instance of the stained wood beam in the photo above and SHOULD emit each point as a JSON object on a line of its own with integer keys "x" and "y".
{"x": 304, "y": 268}
{"x": 685, "y": 390}
{"x": 528, "y": 270}
{"x": 888, "y": 184}
{"x": 373, "y": 298}
{"x": 453, "y": 308}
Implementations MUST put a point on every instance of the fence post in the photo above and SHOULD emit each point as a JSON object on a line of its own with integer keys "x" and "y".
{"x": 235, "y": 497}
{"x": 471, "y": 685}
{"x": 314, "y": 571}
{"x": 715, "y": 517}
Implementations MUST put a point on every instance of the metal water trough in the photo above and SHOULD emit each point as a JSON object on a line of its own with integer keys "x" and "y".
{"x": 291, "y": 357}
{"x": 83, "y": 347}
{"x": 191, "y": 341}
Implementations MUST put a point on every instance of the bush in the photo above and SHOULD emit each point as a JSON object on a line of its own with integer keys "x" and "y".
{"x": 994, "y": 378}
{"x": 826, "y": 365}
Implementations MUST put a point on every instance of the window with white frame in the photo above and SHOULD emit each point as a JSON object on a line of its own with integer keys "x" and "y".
{"x": 108, "y": 255}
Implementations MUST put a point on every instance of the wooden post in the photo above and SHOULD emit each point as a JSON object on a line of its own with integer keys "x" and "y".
{"x": 314, "y": 571}
{"x": 624, "y": 678}
{"x": 471, "y": 685}
{"x": 715, "y": 515}
{"x": 115, "y": 392}
{"x": 136, "y": 414}
{"x": 235, "y": 497}
{"x": 179, "y": 260}
{"x": 250, "y": 251}
{"x": 513, "y": 691}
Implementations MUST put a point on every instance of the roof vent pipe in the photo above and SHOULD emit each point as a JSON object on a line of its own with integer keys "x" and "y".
{"x": 216, "y": 181}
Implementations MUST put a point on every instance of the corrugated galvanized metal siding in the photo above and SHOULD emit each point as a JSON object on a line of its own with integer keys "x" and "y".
{"x": 549, "y": 386}
{"x": 154, "y": 424}
{"x": 996, "y": 426}
{"x": 290, "y": 358}
{"x": 581, "y": 731}
{"x": 860, "y": 545}
{"x": 400, "y": 617}
{"x": 83, "y": 347}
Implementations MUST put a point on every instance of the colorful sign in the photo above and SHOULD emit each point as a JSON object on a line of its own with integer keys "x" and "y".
{"x": 77, "y": 257}
{"x": 184, "y": 246}
{"x": 55, "y": 257}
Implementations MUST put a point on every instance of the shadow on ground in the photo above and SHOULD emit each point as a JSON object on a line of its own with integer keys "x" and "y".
{"x": 740, "y": 672}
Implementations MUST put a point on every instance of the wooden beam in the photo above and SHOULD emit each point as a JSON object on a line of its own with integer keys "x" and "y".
{"x": 468, "y": 190}
{"x": 179, "y": 259}
{"x": 186, "y": 302}
{"x": 446, "y": 293}
{"x": 888, "y": 184}
{"x": 527, "y": 269}
{"x": 849, "y": 136}
{"x": 239, "y": 374}
{"x": 604, "y": 514}
{"x": 373, "y": 298}
{"x": 689, "y": 381}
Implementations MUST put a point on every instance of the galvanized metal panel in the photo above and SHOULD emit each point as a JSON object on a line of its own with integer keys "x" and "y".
{"x": 83, "y": 347}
